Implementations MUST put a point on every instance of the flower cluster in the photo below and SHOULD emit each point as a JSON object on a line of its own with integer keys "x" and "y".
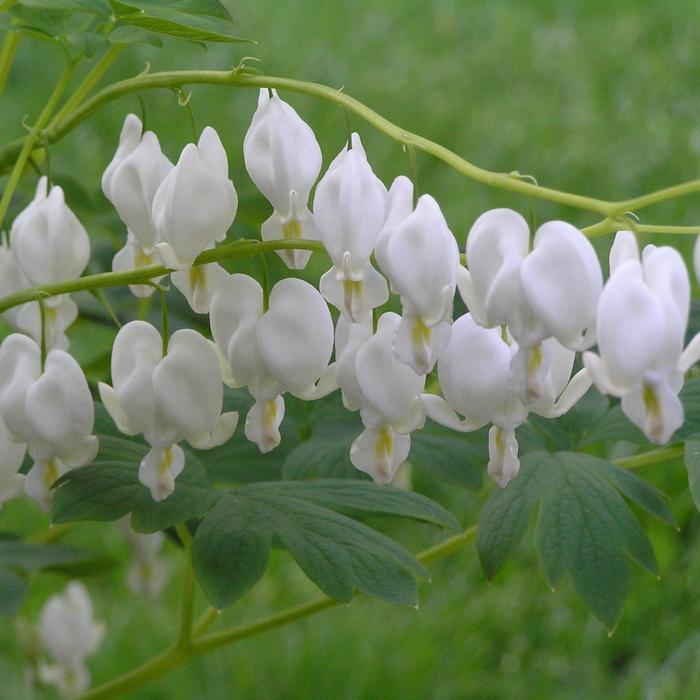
{"x": 534, "y": 302}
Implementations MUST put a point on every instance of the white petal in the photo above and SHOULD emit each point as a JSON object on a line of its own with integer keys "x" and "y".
{"x": 624, "y": 248}
{"x": 40, "y": 478}
{"x": 262, "y": 423}
{"x": 133, "y": 257}
{"x": 380, "y": 452}
{"x": 654, "y": 408}
{"x": 20, "y": 366}
{"x": 441, "y": 412}
{"x": 399, "y": 207}
{"x": 299, "y": 225}
{"x": 418, "y": 345}
{"x": 198, "y": 284}
{"x": 354, "y": 298}
{"x": 503, "y": 464}
{"x": 295, "y": 335}
{"x": 562, "y": 281}
{"x": 57, "y": 321}
{"x": 159, "y": 469}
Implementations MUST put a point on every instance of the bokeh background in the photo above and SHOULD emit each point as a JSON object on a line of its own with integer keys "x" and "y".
{"x": 593, "y": 97}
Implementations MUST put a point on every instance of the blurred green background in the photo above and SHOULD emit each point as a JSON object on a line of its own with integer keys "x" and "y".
{"x": 593, "y": 97}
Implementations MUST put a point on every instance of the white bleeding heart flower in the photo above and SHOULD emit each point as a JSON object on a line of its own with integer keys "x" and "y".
{"x": 133, "y": 256}
{"x": 286, "y": 348}
{"x": 132, "y": 178}
{"x": 283, "y": 159}
{"x": 422, "y": 259}
{"x": 12, "y": 279}
{"x": 399, "y": 206}
{"x": 11, "y": 458}
{"x": 642, "y": 319}
{"x": 49, "y": 409}
{"x": 148, "y": 572}
{"x": 195, "y": 204}
{"x": 551, "y": 291}
{"x": 349, "y": 211}
{"x": 391, "y": 406}
{"x": 167, "y": 399}
{"x": 198, "y": 284}
{"x": 349, "y": 338}
{"x": 58, "y": 317}
{"x": 69, "y": 634}
{"x": 49, "y": 243}
{"x": 477, "y": 381}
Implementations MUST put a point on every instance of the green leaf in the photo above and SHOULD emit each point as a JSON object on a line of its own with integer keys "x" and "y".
{"x": 13, "y": 589}
{"x": 96, "y": 7}
{"x": 690, "y": 397}
{"x": 134, "y": 35}
{"x": 109, "y": 490}
{"x": 692, "y": 465}
{"x": 196, "y": 20}
{"x": 33, "y": 556}
{"x": 321, "y": 458}
{"x": 612, "y": 426}
{"x": 339, "y": 554}
{"x": 454, "y": 458}
{"x": 584, "y": 529}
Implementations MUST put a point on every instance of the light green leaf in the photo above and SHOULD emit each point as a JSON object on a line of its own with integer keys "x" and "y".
{"x": 196, "y": 20}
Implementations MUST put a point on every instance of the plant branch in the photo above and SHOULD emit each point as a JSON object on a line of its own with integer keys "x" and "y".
{"x": 240, "y": 248}
{"x": 661, "y": 454}
{"x": 185, "y": 638}
{"x": 7, "y": 56}
{"x": 31, "y": 139}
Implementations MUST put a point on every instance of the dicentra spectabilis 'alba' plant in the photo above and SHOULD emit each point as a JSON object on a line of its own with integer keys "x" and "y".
{"x": 283, "y": 159}
{"x": 389, "y": 394}
{"x": 349, "y": 211}
{"x": 49, "y": 409}
{"x": 422, "y": 260}
{"x": 195, "y": 204}
{"x": 399, "y": 206}
{"x": 148, "y": 572}
{"x": 349, "y": 338}
{"x": 57, "y": 319}
{"x": 642, "y": 319}
{"x": 551, "y": 291}
{"x": 12, "y": 278}
{"x": 477, "y": 380}
{"x": 286, "y": 348}
{"x": 167, "y": 399}
{"x": 69, "y": 634}
{"x": 133, "y": 257}
{"x": 49, "y": 243}
{"x": 11, "y": 458}
{"x": 132, "y": 178}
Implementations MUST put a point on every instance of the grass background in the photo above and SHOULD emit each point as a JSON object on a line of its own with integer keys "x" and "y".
{"x": 593, "y": 97}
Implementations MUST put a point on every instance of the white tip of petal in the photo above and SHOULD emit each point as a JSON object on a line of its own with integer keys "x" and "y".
{"x": 262, "y": 423}
{"x": 159, "y": 469}
{"x": 503, "y": 464}
{"x": 380, "y": 452}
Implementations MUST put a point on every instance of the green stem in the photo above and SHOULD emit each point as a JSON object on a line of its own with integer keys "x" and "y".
{"x": 165, "y": 329}
{"x": 177, "y": 656}
{"x": 100, "y": 296}
{"x": 31, "y": 139}
{"x": 229, "y": 251}
{"x": 662, "y": 454}
{"x": 43, "y": 349}
{"x": 185, "y": 638}
{"x": 91, "y": 79}
{"x": 7, "y": 56}
{"x": 205, "y": 621}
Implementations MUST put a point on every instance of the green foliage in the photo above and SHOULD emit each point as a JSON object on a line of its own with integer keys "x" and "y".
{"x": 584, "y": 528}
{"x": 232, "y": 545}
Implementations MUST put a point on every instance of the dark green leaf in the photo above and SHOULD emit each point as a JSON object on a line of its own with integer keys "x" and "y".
{"x": 196, "y": 20}
{"x": 32, "y": 556}
{"x": 134, "y": 35}
{"x": 13, "y": 589}
{"x": 320, "y": 458}
{"x": 690, "y": 396}
{"x": 340, "y": 555}
{"x": 692, "y": 465}
{"x": 584, "y": 527}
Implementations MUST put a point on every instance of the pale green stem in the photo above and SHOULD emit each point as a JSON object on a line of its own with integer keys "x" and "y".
{"x": 185, "y": 638}
{"x": 102, "y": 299}
{"x": 7, "y": 56}
{"x": 229, "y": 251}
{"x": 89, "y": 82}
{"x": 31, "y": 139}
{"x": 662, "y": 454}
{"x": 205, "y": 621}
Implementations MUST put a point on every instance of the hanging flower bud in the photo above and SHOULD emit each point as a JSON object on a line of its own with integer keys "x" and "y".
{"x": 423, "y": 258}
{"x": 391, "y": 404}
{"x": 195, "y": 204}
{"x": 642, "y": 319}
{"x": 49, "y": 243}
{"x": 349, "y": 211}
{"x": 58, "y": 317}
{"x": 11, "y": 458}
{"x": 283, "y": 159}
{"x": 476, "y": 378}
{"x": 69, "y": 634}
{"x": 132, "y": 178}
{"x": 133, "y": 256}
{"x": 168, "y": 399}
{"x": 198, "y": 284}
{"x": 12, "y": 279}
{"x": 50, "y": 410}
{"x": 286, "y": 348}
